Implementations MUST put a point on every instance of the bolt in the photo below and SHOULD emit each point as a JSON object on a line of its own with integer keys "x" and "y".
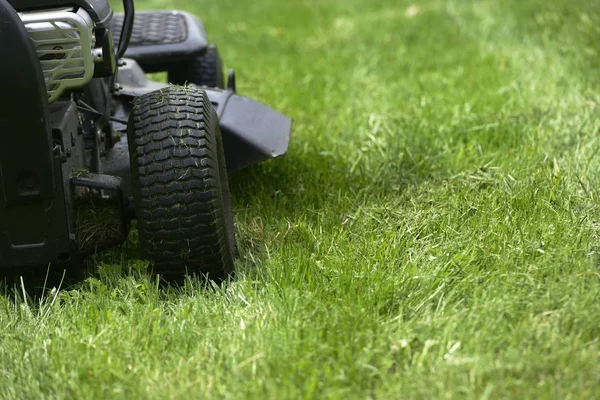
{"x": 59, "y": 55}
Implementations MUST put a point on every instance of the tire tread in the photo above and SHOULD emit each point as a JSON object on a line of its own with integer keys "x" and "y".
{"x": 178, "y": 184}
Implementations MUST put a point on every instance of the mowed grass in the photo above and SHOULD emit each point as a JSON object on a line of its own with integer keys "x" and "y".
{"x": 432, "y": 232}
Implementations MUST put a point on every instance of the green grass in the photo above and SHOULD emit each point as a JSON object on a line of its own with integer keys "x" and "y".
{"x": 432, "y": 232}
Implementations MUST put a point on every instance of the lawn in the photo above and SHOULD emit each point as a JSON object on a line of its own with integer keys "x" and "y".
{"x": 433, "y": 231}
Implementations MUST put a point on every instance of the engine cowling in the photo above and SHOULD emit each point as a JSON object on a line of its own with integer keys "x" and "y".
{"x": 63, "y": 40}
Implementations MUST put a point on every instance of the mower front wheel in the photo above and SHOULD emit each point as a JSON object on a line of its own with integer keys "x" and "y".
{"x": 180, "y": 184}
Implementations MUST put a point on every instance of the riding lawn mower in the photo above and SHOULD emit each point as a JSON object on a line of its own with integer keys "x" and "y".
{"x": 88, "y": 143}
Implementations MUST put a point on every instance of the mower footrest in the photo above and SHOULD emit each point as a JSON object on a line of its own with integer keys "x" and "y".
{"x": 162, "y": 39}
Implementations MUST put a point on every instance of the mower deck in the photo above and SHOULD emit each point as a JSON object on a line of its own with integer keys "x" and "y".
{"x": 252, "y": 132}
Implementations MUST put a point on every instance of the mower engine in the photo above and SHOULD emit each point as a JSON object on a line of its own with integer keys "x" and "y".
{"x": 63, "y": 40}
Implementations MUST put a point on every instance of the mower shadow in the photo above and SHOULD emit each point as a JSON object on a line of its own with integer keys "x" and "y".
{"x": 35, "y": 282}
{"x": 292, "y": 189}
{"x": 288, "y": 186}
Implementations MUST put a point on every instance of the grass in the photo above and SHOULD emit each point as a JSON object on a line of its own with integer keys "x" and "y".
{"x": 97, "y": 222}
{"x": 432, "y": 232}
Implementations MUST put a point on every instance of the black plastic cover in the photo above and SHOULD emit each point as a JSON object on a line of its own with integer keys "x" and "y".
{"x": 37, "y": 232}
{"x": 26, "y": 159}
{"x": 252, "y": 132}
{"x": 99, "y": 10}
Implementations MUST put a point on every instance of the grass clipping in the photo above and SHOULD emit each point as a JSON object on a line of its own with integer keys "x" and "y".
{"x": 98, "y": 222}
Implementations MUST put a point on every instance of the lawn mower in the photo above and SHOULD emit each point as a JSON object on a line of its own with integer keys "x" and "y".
{"x": 88, "y": 143}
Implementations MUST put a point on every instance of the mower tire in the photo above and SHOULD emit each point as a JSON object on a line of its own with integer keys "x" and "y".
{"x": 180, "y": 185}
{"x": 204, "y": 70}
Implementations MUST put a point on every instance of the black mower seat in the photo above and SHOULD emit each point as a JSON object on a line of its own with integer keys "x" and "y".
{"x": 162, "y": 39}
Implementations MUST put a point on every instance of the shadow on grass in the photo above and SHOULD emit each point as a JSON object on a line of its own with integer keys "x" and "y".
{"x": 315, "y": 188}
{"x": 113, "y": 269}
{"x": 36, "y": 281}
{"x": 290, "y": 185}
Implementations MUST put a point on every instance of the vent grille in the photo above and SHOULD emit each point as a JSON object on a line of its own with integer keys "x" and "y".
{"x": 63, "y": 41}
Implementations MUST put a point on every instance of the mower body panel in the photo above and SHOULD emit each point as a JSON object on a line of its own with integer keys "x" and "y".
{"x": 32, "y": 216}
{"x": 26, "y": 159}
{"x": 39, "y": 231}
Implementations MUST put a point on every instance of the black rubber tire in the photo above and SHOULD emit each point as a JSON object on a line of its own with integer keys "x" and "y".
{"x": 180, "y": 184}
{"x": 204, "y": 70}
